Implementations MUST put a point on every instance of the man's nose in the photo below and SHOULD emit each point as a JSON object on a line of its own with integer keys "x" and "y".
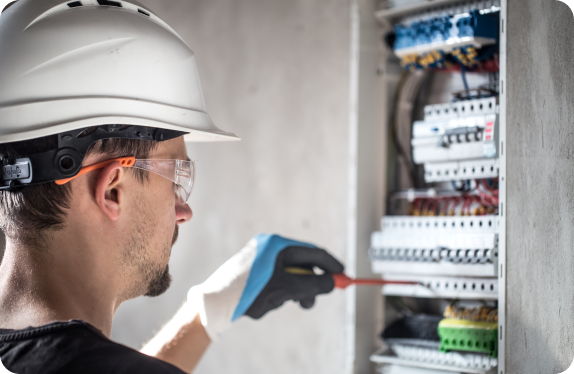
{"x": 183, "y": 213}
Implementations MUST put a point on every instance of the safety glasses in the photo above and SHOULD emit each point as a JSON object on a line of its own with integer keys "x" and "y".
{"x": 180, "y": 172}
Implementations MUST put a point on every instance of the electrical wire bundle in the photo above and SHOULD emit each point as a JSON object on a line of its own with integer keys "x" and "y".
{"x": 479, "y": 314}
{"x": 401, "y": 128}
{"x": 488, "y": 195}
{"x": 486, "y": 90}
{"x": 479, "y": 200}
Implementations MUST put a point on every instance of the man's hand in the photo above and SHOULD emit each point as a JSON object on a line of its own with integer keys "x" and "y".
{"x": 254, "y": 281}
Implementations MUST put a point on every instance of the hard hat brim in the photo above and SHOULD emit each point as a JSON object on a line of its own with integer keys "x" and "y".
{"x": 43, "y": 118}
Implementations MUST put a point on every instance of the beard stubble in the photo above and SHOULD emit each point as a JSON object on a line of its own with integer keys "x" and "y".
{"x": 162, "y": 281}
{"x": 147, "y": 275}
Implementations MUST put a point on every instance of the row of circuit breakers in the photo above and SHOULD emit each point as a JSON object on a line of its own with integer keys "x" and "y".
{"x": 454, "y": 256}
{"x": 457, "y": 141}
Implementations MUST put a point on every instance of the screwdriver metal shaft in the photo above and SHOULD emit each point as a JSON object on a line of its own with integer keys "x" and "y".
{"x": 343, "y": 281}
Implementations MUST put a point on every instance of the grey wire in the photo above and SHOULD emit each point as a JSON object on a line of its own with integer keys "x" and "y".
{"x": 404, "y": 113}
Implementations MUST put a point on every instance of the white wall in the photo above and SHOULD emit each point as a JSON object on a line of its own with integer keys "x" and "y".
{"x": 276, "y": 73}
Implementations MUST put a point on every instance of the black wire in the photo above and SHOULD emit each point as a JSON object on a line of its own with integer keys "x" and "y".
{"x": 481, "y": 92}
{"x": 400, "y": 306}
{"x": 463, "y": 187}
{"x": 463, "y": 75}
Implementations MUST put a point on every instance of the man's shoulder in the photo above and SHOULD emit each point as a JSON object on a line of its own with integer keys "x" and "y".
{"x": 73, "y": 347}
{"x": 115, "y": 358}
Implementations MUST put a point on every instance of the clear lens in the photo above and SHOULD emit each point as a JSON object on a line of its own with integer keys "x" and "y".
{"x": 180, "y": 172}
{"x": 181, "y": 195}
{"x": 184, "y": 177}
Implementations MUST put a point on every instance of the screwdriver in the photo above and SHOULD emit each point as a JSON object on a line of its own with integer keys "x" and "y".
{"x": 343, "y": 281}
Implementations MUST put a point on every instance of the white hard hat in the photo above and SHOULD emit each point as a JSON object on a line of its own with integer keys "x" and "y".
{"x": 81, "y": 63}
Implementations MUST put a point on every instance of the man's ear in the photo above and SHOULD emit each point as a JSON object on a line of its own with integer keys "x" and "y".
{"x": 109, "y": 193}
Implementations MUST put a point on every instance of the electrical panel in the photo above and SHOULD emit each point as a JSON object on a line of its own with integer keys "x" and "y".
{"x": 440, "y": 234}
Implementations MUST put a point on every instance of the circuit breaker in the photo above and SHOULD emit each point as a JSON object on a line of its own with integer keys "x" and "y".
{"x": 458, "y": 141}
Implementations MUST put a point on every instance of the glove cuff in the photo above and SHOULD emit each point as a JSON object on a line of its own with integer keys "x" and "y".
{"x": 214, "y": 329}
{"x": 218, "y": 297}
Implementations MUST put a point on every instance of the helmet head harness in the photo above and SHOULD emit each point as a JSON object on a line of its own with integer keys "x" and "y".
{"x": 66, "y": 160}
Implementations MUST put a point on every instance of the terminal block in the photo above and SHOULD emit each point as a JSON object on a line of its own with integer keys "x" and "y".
{"x": 471, "y": 336}
{"x": 443, "y": 41}
{"x": 451, "y": 246}
{"x": 443, "y": 287}
{"x": 441, "y": 225}
{"x": 461, "y": 170}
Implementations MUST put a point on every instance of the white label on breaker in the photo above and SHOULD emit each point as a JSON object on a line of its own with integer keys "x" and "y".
{"x": 489, "y": 149}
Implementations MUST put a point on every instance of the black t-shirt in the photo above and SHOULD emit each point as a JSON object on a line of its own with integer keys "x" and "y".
{"x": 72, "y": 347}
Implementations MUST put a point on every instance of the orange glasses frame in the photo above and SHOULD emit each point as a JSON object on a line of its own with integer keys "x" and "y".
{"x": 126, "y": 162}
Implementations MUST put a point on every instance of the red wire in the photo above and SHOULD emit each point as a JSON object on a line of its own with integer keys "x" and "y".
{"x": 434, "y": 205}
{"x": 491, "y": 200}
{"x": 460, "y": 201}
{"x": 425, "y": 210}
{"x": 417, "y": 205}
{"x": 466, "y": 206}
{"x": 444, "y": 208}
{"x": 491, "y": 190}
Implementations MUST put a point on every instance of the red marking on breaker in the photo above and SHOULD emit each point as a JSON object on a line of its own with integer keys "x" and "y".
{"x": 488, "y": 130}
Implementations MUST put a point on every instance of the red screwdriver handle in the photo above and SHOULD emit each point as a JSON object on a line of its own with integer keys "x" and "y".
{"x": 342, "y": 280}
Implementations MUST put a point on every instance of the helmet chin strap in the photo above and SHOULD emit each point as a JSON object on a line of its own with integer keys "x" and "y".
{"x": 66, "y": 160}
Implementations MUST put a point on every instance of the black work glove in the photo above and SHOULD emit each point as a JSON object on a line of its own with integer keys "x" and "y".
{"x": 303, "y": 288}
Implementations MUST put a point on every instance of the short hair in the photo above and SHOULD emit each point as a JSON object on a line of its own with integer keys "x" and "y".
{"x": 31, "y": 213}
{"x": 9, "y": 5}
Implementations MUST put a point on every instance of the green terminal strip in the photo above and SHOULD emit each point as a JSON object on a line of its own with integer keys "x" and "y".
{"x": 462, "y": 335}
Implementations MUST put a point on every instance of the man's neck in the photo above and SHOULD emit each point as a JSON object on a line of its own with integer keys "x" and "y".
{"x": 39, "y": 286}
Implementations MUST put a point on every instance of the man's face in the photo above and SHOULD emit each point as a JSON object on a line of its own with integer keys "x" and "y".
{"x": 154, "y": 216}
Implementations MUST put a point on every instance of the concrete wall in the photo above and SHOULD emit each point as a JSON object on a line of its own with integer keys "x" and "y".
{"x": 2, "y": 244}
{"x": 276, "y": 73}
{"x": 540, "y": 159}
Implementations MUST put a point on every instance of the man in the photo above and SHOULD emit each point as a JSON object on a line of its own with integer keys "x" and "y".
{"x": 96, "y": 98}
